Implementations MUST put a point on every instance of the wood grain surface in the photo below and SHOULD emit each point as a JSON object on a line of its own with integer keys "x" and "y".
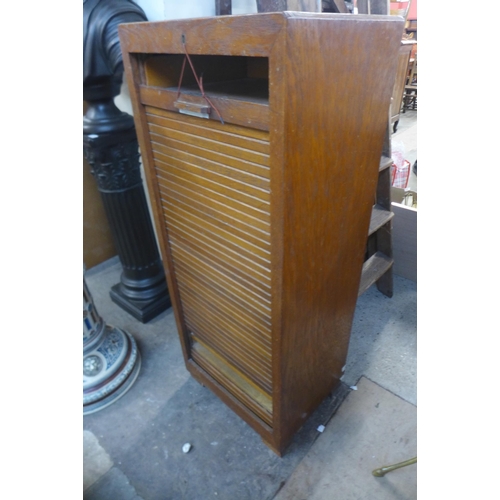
{"x": 263, "y": 219}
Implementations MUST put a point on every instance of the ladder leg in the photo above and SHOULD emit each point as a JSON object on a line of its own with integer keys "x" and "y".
{"x": 384, "y": 245}
{"x": 385, "y": 284}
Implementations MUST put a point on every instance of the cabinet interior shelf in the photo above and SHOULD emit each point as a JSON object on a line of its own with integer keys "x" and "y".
{"x": 246, "y": 89}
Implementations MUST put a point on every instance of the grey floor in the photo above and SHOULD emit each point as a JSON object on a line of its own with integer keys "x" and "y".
{"x": 133, "y": 448}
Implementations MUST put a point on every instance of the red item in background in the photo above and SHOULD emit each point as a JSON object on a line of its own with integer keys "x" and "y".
{"x": 400, "y": 175}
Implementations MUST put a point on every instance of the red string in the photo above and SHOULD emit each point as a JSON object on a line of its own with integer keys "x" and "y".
{"x": 180, "y": 79}
{"x": 198, "y": 81}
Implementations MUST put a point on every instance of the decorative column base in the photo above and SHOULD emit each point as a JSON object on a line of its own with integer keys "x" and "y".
{"x": 110, "y": 370}
{"x": 142, "y": 310}
{"x": 111, "y": 359}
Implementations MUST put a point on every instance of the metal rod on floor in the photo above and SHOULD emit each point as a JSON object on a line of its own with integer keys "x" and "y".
{"x": 388, "y": 468}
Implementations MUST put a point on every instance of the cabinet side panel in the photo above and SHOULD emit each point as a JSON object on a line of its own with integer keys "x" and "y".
{"x": 277, "y": 103}
{"x": 339, "y": 81}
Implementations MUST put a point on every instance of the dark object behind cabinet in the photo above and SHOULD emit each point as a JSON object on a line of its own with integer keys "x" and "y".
{"x": 112, "y": 152}
{"x": 263, "y": 199}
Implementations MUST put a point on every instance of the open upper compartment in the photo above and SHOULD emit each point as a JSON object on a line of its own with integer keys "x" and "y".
{"x": 240, "y": 60}
{"x": 234, "y": 77}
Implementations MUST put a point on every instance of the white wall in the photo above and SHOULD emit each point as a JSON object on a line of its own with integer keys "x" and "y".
{"x": 159, "y": 10}
{"x": 244, "y": 7}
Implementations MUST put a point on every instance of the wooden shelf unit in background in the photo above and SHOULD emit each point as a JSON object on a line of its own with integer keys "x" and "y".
{"x": 404, "y": 54}
{"x": 378, "y": 265}
{"x": 263, "y": 219}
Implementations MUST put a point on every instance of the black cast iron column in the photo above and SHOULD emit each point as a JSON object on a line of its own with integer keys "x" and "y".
{"x": 111, "y": 148}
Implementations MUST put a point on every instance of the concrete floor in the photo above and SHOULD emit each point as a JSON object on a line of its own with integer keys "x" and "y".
{"x": 133, "y": 448}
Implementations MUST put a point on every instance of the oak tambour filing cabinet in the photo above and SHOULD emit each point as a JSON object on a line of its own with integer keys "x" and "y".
{"x": 261, "y": 138}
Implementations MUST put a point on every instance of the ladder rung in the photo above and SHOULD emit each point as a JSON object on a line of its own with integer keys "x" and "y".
{"x": 385, "y": 162}
{"x": 380, "y": 216}
{"x": 375, "y": 267}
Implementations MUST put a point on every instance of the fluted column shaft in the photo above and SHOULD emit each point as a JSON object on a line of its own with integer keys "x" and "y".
{"x": 114, "y": 158}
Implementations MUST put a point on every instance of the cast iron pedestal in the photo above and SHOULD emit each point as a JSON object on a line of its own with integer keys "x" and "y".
{"x": 111, "y": 148}
{"x": 111, "y": 360}
{"x": 114, "y": 158}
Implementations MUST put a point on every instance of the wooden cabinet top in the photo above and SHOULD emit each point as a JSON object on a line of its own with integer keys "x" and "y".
{"x": 249, "y": 35}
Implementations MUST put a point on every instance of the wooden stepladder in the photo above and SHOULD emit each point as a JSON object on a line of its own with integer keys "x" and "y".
{"x": 377, "y": 267}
